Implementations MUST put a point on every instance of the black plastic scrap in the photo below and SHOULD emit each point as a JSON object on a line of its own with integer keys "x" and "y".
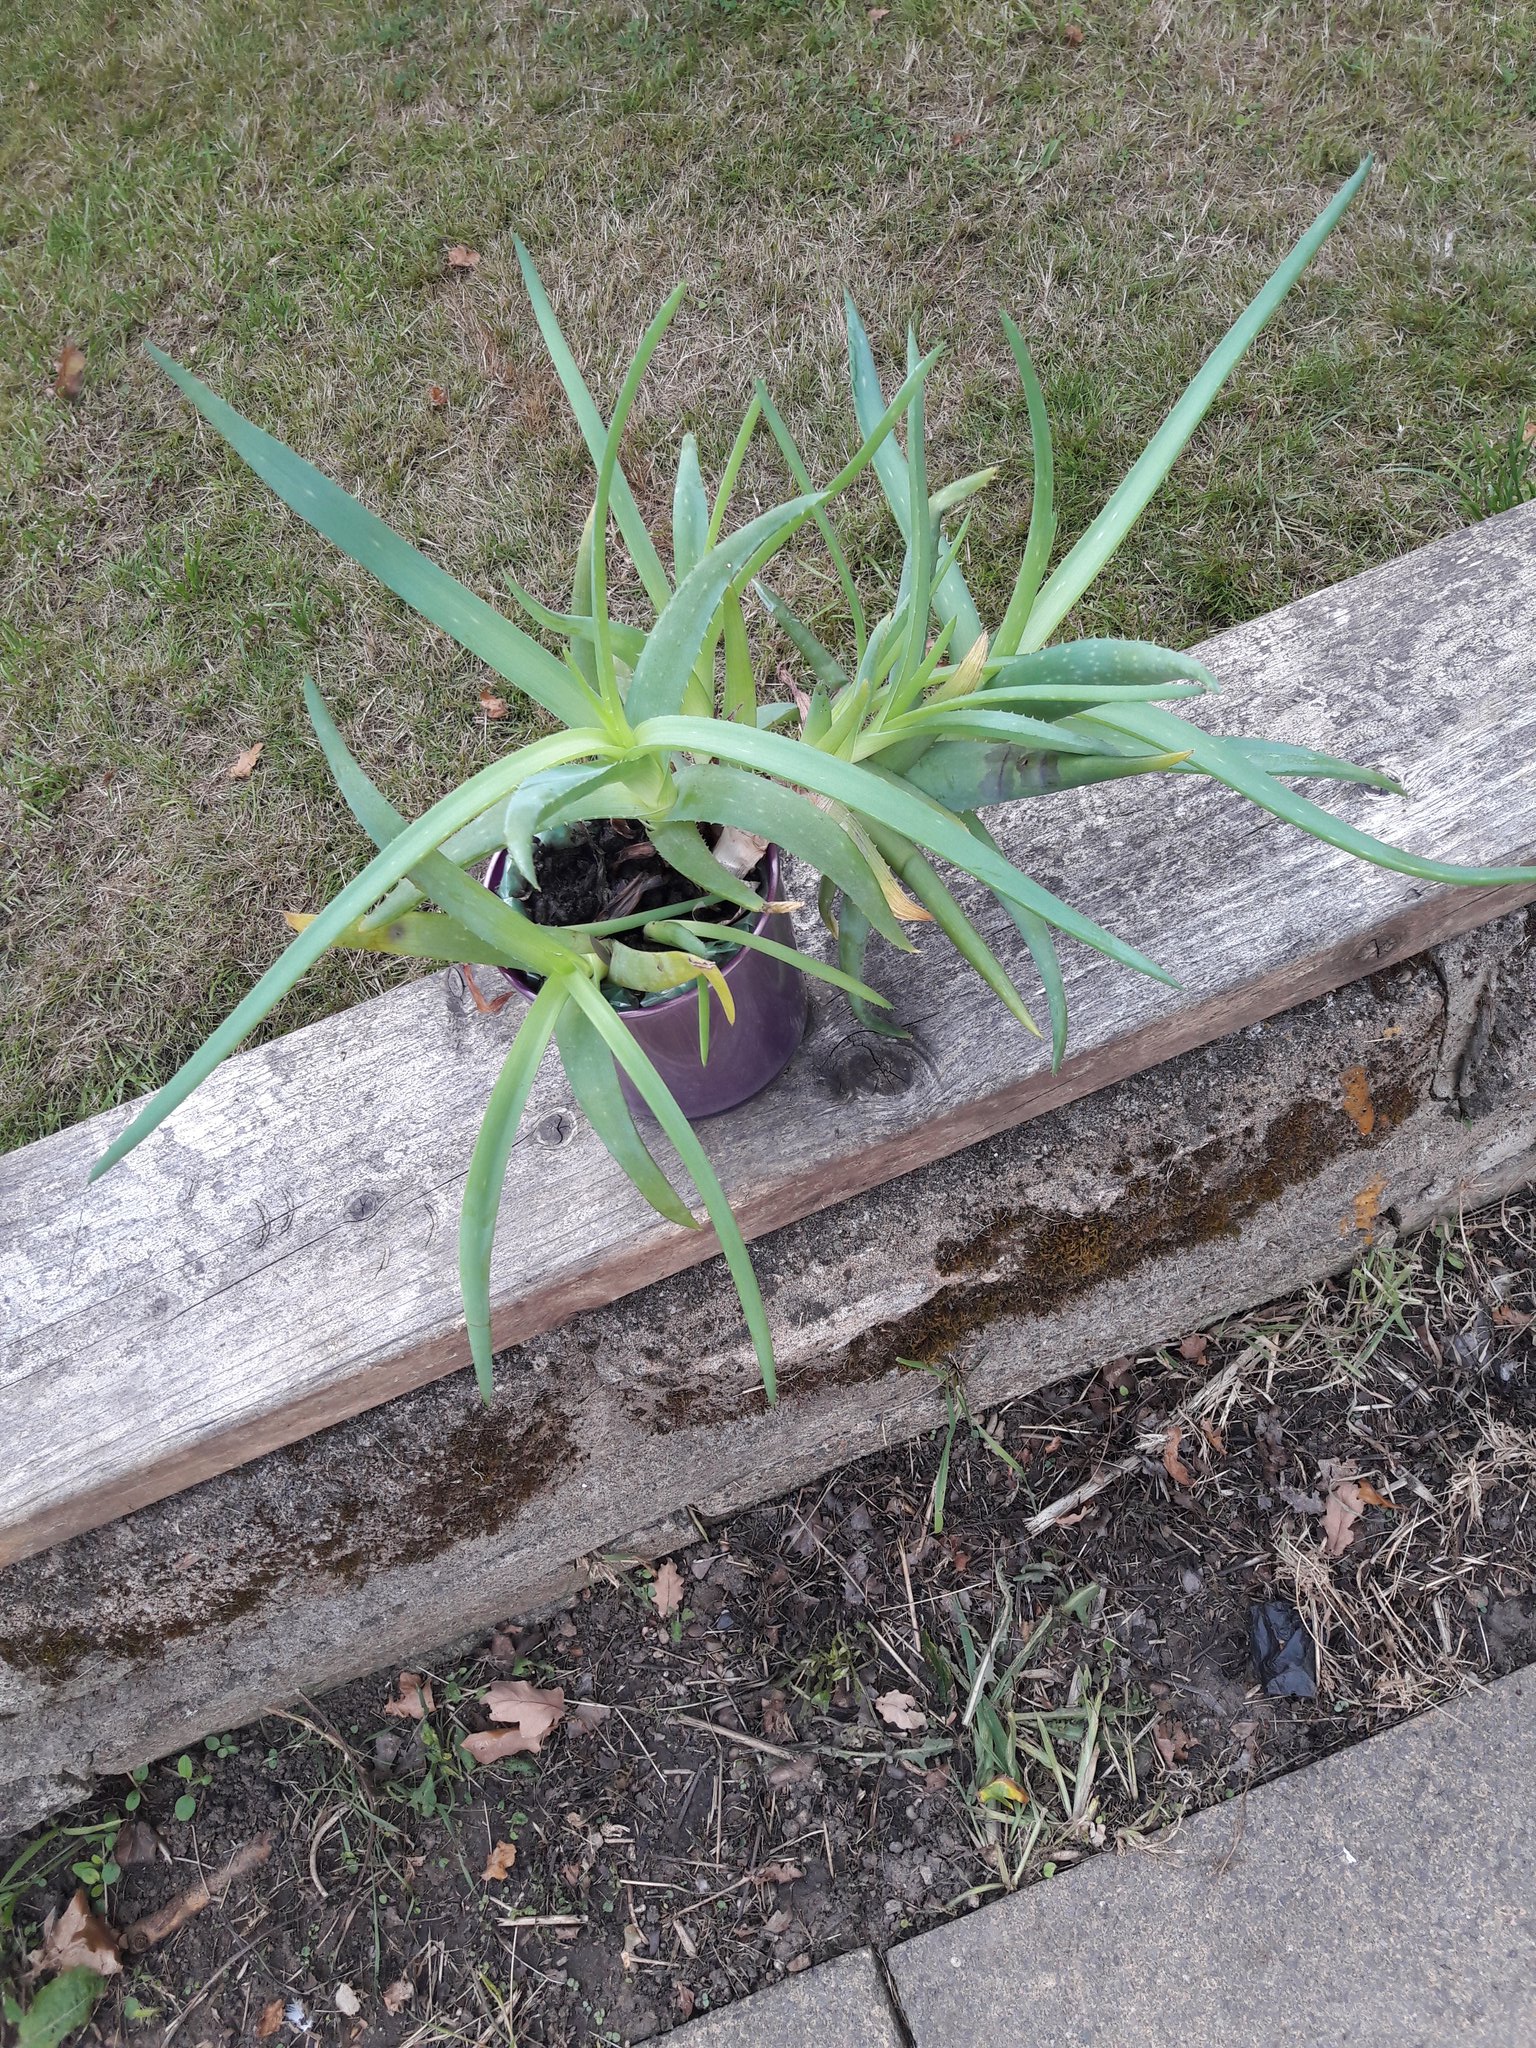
{"x": 1284, "y": 1655}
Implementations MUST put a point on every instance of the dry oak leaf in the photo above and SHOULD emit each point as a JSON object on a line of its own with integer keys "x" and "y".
{"x": 777, "y": 1873}
{"x": 492, "y": 705}
{"x": 1172, "y": 1740}
{"x": 498, "y": 1865}
{"x": 529, "y": 1714}
{"x": 877, "y": 15}
{"x": 348, "y": 2004}
{"x": 667, "y": 1591}
{"x": 1173, "y": 1464}
{"x": 587, "y": 1716}
{"x": 436, "y": 395}
{"x": 1343, "y": 1507}
{"x": 460, "y": 258}
{"x": 398, "y": 1995}
{"x": 900, "y": 1710}
{"x": 71, "y": 378}
{"x": 239, "y": 770}
{"x": 76, "y": 1939}
{"x": 271, "y": 2019}
{"x": 1194, "y": 1348}
{"x": 414, "y": 1701}
{"x": 1072, "y": 35}
{"x": 1372, "y": 1497}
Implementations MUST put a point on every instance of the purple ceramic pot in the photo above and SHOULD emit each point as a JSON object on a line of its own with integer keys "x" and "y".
{"x": 744, "y": 1057}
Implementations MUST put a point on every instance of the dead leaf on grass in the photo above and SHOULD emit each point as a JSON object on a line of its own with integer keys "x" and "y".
{"x": 71, "y": 378}
{"x": 777, "y": 1725}
{"x": 1173, "y": 1464}
{"x": 1072, "y": 35}
{"x": 437, "y": 397}
{"x": 793, "y": 1771}
{"x": 587, "y": 1716}
{"x": 1372, "y": 1497}
{"x": 667, "y": 1591}
{"x": 460, "y": 258}
{"x": 777, "y": 1873}
{"x": 414, "y": 1699}
{"x": 271, "y": 2019}
{"x": 498, "y": 1865}
{"x": 77, "y": 1939}
{"x": 348, "y": 2004}
{"x": 157, "y": 1927}
{"x": 239, "y": 770}
{"x": 1344, "y": 1505}
{"x": 492, "y": 705}
{"x": 398, "y": 1995}
{"x": 900, "y": 1710}
{"x": 1194, "y": 1348}
{"x": 683, "y": 1999}
{"x": 877, "y": 15}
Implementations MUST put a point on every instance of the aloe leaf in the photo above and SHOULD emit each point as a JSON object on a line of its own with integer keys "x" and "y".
{"x": 960, "y": 721}
{"x": 1036, "y": 934}
{"x": 673, "y": 645}
{"x": 1151, "y": 724}
{"x": 695, "y": 1160}
{"x": 1089, "y": 555}
{"x": 740, "y": 681}
{"x": 853, "y": 929}
{"x": 757, "y": 942}
{"x": 918, "y": 524}
{"x": 410, "y": 849}
{"x": 525, "y": 811}
{"x": 690, "y": 511}
{"x": 360, "y": 534}
{"x": 795, "y": 463}
{"x": 636, "y": 536}
{"x": 488, "y": 1164}
{"x": 418, "y": 935}
{"x": 733, "y": 462}
{"x": 595, "y": 1084}
{"x": 653, "y": 973}
{"x": 1091, "y": 663}
{"x": 965, "y": 775}
{"x": 1279, "y": 757}
{"x": 578, "y": 628}
{"x": 920, "y": 878}
{"x": 681, "y": 845}
{"x": 823, "y": 664}
{"x": 714, "y": 794}
{"x": 1042, "y": 509}
{"x": 951, "y": 599}
{"x": 916, "y": 817}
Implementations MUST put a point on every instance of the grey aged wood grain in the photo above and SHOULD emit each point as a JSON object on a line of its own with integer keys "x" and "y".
{"x": 281, "y": 1255}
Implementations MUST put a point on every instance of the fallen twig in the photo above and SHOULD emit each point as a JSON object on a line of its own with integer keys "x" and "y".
{"x": 1038, "y": 1524}
{"x": 784, "y": 1756}
{"x": 157, "y": 1927}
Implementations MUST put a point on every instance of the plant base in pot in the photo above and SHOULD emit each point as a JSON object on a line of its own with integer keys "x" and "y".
{"x": 769, "y": 996}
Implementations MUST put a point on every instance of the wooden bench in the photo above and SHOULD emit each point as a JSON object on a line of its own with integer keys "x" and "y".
{"x": 280, "y": 1257}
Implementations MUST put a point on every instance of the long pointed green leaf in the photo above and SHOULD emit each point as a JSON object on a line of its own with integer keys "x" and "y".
{"x": 1042, "y": 508}
{"x": 594, "y": 1082}
{"x": 420, "y": 583}
{"x": 877, "y": 796}
{"x": 407, "y": 851}
{"x": 420, "y": 935}
{"x": 758, "y": 942}
{"x": 659, "y": 1100}
{"x": 690, "y": 511}
{"x": 1103, "y": 662}
{"x": 795, "y": 463}
{"x": 853, "y": 929}
{"x": 636, "y": 535}
{"x": 1036, "y": 934}
{"x": 681, "y": 845}
{"x": 713, "y": 794}
{"x": 965, "y": 774}
{"x": 951, "y": 721}
{"x": 952, "y": 599}
{"x": 822, "y": 663}
{"x": 935, "y": 897}
{"x": 488, "y": 1164}
{"x": 1151, "y": 724}
{"x": 1109, "y": 529}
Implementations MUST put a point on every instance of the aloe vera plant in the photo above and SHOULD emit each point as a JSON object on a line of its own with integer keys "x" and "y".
{"x": 875, "y": 777}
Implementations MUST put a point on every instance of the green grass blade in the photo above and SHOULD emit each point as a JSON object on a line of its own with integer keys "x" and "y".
{"x": 695, "y": 1160}
{"x": 1042, "y": 509}
{"x": 1149, "y": 723}
{"x": 1089, "y": 555}
{"x": 917, "y": 818}
{"x": 595, "y": 1084}
{"x": 488, "y": 1165}
{"x": 636, "y": 535}
{"x": 360, "y": 534}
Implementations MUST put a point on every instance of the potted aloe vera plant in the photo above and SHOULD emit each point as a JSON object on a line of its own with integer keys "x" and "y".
{"x": 627, "y": 873}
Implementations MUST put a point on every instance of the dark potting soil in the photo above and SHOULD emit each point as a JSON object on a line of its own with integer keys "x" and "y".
{"x": 606, "y": 868}
{"x": 781, "y": 1767}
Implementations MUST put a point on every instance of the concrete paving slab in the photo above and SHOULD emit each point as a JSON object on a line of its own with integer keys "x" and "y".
{"x": 841, "y": 2004}
{"x": 1387, "y": 1893}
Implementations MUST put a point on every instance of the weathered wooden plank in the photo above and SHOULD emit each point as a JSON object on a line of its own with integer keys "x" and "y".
{"x": 281, "y": 1255}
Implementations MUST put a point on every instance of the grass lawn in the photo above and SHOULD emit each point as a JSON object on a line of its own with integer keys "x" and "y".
{"x": 269, "y": 190}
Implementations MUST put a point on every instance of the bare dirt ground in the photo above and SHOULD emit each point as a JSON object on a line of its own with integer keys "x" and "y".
{"x": 948, "y": 1670}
